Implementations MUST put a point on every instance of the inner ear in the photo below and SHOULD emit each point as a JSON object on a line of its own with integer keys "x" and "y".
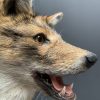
{"x": 10, "y": 7}
{"x": 54, "y": 19}
{"x": 13, "y": 7}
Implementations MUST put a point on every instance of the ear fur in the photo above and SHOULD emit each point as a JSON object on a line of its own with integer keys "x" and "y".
{"x": 13, "y": 7}
{"x": 54, "y": 19}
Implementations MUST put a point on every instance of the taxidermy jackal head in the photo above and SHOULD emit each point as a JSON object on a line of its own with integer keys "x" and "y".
{"x": 34, "y": 55}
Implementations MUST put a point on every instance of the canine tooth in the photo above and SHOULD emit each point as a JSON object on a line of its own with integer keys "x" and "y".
{"x": 59, "y": 94}
{"x": 72, "y": 85}
{"x": 63, "y": 91}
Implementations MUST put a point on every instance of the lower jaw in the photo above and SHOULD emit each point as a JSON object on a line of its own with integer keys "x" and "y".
{"x": 65, "y": 97}
{"x": 51, "y": 90}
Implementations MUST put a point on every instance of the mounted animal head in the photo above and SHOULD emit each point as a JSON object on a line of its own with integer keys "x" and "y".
{"x": 34, "y": 52}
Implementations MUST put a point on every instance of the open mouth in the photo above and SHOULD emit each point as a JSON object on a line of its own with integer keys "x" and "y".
{"x": 55, "y": 87}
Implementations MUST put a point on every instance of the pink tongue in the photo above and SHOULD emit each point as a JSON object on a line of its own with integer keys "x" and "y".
{"x": 59, "y": 86}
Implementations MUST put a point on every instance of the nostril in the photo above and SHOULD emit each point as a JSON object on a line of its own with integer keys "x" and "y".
{"x": 91, "y": 59}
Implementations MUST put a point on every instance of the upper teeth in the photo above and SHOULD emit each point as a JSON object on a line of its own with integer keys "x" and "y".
{"x": 72, "y": 85}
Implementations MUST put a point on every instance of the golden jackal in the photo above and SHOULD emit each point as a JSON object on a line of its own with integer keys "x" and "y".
{"x": 33, "y": 56}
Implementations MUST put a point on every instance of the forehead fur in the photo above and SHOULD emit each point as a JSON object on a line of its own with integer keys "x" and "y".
{"x": 26, "y": 24}
{"x": 18, "y": 15}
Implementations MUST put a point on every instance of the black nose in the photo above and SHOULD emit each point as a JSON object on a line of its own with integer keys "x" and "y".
{"x": 91, "y": 59}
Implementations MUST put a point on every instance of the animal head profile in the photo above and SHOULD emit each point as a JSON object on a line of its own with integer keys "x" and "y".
{"x": 33, "y": 53}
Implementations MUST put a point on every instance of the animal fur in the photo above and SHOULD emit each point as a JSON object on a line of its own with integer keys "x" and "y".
{"x": 20, "y": 53}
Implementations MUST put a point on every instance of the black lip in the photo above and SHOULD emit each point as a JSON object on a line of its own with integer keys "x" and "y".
{"x": 48, "y": 87}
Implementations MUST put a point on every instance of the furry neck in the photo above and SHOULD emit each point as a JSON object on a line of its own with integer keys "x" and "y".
{"x": 11, "y": 89}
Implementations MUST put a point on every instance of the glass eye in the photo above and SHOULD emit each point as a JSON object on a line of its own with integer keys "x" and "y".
{"x": 41, "y": 38}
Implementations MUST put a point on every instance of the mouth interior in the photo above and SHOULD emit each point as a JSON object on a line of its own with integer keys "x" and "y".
{"x": 55, "y": 83}
{"x": 60, "y": 87}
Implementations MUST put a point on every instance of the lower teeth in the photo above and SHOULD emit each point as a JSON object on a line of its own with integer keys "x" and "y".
{"x": 63, "y": 91}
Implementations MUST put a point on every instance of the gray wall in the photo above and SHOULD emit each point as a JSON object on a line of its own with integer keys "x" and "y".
{"x": 81, "y": 27}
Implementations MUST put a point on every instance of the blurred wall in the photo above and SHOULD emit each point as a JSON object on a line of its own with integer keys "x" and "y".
{"x": 81, "y": 27}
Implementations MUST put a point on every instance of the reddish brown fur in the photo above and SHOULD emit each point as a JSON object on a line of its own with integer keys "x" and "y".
{"x": 20, "y": 55}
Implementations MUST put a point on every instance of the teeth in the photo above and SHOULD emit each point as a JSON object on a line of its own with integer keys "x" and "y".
{"x": 63, "y": 91}
{"x": 72, "y": 85}
{"x": 59, "y": 94}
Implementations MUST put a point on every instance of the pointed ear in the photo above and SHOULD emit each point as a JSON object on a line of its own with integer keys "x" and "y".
{"x": 17, "y": 6}
{"x": 54, "y": 19}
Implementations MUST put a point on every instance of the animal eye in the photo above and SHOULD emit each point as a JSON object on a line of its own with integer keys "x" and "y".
{"x": 41, "y": 38}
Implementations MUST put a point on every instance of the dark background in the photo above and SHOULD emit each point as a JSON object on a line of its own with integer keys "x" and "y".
{"x": 81, "y": 27}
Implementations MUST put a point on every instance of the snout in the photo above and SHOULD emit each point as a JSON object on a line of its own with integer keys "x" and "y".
{"x": 91, "y": 59}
